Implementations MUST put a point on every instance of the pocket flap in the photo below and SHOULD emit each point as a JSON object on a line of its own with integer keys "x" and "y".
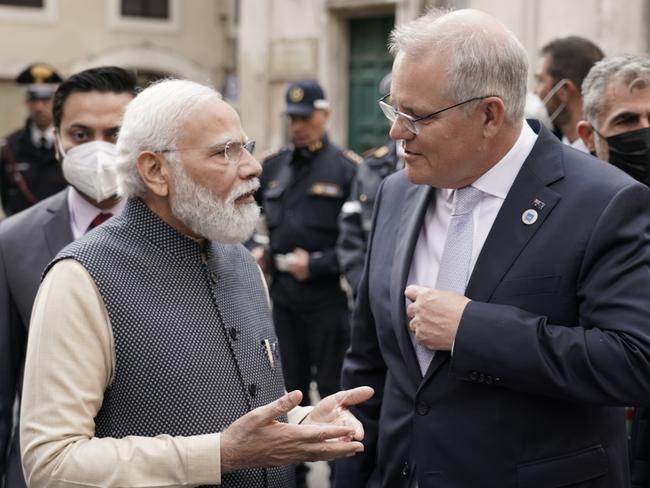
{"x": 564, "y": 470}
{"x": 532, "y": 285}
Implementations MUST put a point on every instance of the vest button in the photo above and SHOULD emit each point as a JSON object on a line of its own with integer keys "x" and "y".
{"x": 233, "y": 333}
{"x": 213, "y": 277}
{"x": 252, "y": 389}
{"x": 422, "y": 408}
{"x": 405, "y": 470}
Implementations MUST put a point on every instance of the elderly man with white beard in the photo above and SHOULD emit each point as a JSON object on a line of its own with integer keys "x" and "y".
{"x": 152, "y": 359}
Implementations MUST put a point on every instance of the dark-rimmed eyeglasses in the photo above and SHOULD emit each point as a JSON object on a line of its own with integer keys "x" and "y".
{"x": 410, "y": 122}
{"x": 231, "y": 150}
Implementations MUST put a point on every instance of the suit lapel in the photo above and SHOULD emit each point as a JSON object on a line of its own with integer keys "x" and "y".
{"x": 57, "y": 224}
{"x": 413, "y": 211}
{"x": 509, "y": 234}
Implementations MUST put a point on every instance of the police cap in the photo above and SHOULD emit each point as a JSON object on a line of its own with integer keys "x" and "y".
{"x": 41, "y": 80}
{"x": 305, "y": 96}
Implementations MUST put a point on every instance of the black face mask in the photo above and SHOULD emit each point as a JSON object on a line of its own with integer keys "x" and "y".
{"x": 630, "y": 152}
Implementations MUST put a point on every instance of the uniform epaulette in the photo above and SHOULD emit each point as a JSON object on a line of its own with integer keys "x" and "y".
{"x": 271, "y": 153}
{"x": 352, "y": 156}
{"x": 381, "y": 151}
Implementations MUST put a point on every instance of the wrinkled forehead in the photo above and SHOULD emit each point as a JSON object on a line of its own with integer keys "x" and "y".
{"x": 213, "y": 123}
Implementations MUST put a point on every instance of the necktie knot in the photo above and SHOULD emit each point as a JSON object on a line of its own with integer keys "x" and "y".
{"x": 100, "y": 219}
{"x": 465, "y": 199}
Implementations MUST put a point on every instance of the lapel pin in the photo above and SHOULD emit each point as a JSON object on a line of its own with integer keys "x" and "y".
{"x": 538, "y": 204}
{"x": 529, "y": 217}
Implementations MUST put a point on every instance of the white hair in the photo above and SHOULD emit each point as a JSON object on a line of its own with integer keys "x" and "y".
{"x": 152, "y": 122}
{"x": 481, "y": 61}
{"x": 632, "y": 70}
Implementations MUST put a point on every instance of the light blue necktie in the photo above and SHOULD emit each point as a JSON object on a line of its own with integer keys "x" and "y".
{"x": 453, "y": 274}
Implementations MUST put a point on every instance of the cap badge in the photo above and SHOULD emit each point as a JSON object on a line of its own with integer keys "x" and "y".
{"x": 296, "y": 94}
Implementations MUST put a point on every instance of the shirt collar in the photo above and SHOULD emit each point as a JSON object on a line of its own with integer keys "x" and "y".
{"x": 82, "y": 212}
{"x": 498, "y": 180}
{"x": 36, "y": 134}
{"x": 577, "y": 144}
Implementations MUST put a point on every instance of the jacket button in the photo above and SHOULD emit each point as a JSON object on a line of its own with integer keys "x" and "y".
{"x": 252, "y": 389}
{"x": 422, "y": 408}
{"x": 233, "y": 333}
{"x": 481, "y": 378}
{"x": 473, "y": 376}
{"x": 489, "y": 380}
{"x": 405, "y": 470}
{"x": 497, "y": 380}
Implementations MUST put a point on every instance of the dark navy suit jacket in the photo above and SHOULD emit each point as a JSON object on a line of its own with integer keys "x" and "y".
{"x": 555, "y": 339}
{"x": 29, "y": 240}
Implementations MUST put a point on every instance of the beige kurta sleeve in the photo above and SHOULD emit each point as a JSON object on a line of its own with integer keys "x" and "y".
{"x": 69, "y": 365}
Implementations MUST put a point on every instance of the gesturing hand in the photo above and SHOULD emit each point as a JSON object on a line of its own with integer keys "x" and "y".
{"x": 333, "y": 410}
{"x": 434, "y": 316}
{"x": 257, "y": 439}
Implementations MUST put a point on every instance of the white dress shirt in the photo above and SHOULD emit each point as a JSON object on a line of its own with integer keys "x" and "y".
{"x": 495, "y": 185}
{"x": 36, "y": 134}
{"x": 577, "y": 144}
{"x": 82, "y": 212}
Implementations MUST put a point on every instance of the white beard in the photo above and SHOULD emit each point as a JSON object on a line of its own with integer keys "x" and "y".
{"x": 220, "y": 220}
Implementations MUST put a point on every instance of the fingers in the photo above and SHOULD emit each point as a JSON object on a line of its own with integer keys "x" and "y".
{"x": 279, "y": 407}
{"x": 355, "y": 395}
{"x": 413, "y": 291}
{"x": 328, "y": 451}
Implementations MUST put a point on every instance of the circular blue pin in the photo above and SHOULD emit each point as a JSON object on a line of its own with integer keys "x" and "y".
{"x": 529, "y": 217}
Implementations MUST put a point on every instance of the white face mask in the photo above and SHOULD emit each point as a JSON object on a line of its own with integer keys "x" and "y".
{"x": 90, "y": 168}
{"x": 535, "y": 109}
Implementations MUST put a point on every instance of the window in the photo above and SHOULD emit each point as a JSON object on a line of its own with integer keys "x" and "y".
{"x": 151, "y": 9}
{"x": 24, "y": 3}
{"x": 144, "y": 15}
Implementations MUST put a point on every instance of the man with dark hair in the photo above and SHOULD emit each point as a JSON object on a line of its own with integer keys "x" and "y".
{"x": 616, "y": 127}
{"x": 88, "y": 109}
{"x": 563, "y": 64}
{"x": 29, "y": 171}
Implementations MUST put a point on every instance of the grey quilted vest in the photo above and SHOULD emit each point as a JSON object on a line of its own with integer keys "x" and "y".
{"x": 189, "y": 329}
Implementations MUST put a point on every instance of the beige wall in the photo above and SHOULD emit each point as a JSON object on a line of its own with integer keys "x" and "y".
{"x": 281, "y": 40}
{"x": 75, "y": 34}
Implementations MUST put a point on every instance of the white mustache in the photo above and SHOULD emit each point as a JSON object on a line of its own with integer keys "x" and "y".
{"x": 247, "y": 187}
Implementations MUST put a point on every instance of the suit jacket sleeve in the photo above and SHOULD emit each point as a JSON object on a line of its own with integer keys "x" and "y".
{"x": 602, "y": 359}
{"x": 363, "y": 366}
{"x": 12, "y": 346}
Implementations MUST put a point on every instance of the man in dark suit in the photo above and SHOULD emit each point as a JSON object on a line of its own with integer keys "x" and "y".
{"x": 29, "y": 171}
{"x": 617, "y": 128}
{"x": 503, "y": 313}
{"x": 88, "y": 108}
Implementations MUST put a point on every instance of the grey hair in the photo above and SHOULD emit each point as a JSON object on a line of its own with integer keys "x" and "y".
{"x": 480, "y": 62}
{"x": 631, "y": 69}
{"x": 152, "y": 122}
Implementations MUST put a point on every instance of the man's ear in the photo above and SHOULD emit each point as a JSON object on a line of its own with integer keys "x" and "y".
{"x": 586, "y": 133}
{"x": 155, "y": 172}
{"x": 494, "y": 113}
{"x": 568, "y": 91}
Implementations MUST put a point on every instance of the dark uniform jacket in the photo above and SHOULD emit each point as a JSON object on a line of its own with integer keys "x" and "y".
{"x": 302, "y": 191}
{"x": 28, "y": 173}
{"x": 355, "y": 219}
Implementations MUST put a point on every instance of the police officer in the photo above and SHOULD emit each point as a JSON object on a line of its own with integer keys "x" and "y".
{"x": 355, "y": 219}
{"x": 356, "y": 214}
{"x": 302, "y": 190}
{"x": 29, "y": 171}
